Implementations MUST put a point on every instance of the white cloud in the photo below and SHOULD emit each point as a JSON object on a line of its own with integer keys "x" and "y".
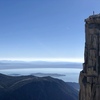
{"x": 81, "y": 60}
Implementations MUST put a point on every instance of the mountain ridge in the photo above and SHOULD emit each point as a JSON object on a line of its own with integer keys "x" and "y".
{"x": 35, "y": 88}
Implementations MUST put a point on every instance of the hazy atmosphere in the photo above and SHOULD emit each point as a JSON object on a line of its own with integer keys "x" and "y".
{"x": 48, "y": 51}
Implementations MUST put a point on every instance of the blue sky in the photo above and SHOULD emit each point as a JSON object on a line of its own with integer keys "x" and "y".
{"x": 44, "y": 28}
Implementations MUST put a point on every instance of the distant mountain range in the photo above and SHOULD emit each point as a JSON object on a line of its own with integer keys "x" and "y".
{"x": 35, "y": 88}
{"x": 37, "y": 64}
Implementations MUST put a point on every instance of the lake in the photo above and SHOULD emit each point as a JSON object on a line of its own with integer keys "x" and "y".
{"x": 66, "y": 74}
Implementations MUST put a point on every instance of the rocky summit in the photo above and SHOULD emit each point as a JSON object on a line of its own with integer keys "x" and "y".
{"x": 90, "y": 75}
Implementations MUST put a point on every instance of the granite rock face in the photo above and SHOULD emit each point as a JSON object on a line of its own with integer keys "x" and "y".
{"x": 90, "y": 75}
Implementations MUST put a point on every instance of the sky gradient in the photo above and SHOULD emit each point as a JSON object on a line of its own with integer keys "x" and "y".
{"x": 44, "y": 28}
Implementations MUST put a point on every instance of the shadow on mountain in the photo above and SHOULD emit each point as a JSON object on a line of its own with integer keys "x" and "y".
{"x": 35, "y": 88}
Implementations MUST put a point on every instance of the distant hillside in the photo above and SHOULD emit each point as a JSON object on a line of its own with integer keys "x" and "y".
{"x": 74, "y": 85}
{"x": 37, "y": 64}
{"x": 35, "y": 88}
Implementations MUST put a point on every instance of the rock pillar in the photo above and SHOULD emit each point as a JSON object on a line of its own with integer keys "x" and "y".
{"x": 89, "y": 79}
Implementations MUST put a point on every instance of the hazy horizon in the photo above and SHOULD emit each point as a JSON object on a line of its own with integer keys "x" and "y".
{"x": 73, "y": 60}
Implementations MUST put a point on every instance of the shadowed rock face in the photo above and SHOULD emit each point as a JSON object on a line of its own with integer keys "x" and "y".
{"x": 35, "y": 88}
{"x": 90, "y": 75}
